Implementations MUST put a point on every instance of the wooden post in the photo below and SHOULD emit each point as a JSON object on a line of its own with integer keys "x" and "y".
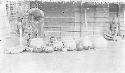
{"x": 124, "y": 16}
{"x": 93, "y": 27}
{"x": 81, "y": 19}
{"x": 77, "y": 22}
{"x": 86, "y": 25}
{"x": 21, "y": 34}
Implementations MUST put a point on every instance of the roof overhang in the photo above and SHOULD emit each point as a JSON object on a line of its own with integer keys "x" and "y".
{"x": 83, "y": 1}
{"x": 75, "y": 1}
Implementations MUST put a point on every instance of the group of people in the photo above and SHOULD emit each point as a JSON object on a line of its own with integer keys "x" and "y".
{"x": 33, "y": 27}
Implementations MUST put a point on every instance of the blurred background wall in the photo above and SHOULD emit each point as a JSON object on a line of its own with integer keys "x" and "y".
{"x": 68, "y": 18}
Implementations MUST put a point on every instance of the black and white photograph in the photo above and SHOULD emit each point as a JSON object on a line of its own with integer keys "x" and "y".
{"x": 62, "y": 36}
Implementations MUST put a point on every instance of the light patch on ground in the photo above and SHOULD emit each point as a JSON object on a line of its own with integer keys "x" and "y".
{"x": 109, "y": 60}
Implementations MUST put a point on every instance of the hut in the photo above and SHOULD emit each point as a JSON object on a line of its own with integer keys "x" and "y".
{"x": 72, "y": 18}
{"x": 67, "y": 18}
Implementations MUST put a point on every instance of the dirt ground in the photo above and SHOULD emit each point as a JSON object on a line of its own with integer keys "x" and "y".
{"x": 110, "y": 60}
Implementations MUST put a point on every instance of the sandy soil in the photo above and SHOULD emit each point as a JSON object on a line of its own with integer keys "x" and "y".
{"x": 110, "y": 60}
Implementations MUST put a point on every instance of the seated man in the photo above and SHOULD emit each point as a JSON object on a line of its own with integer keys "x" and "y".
{"x": 113, "y": 30}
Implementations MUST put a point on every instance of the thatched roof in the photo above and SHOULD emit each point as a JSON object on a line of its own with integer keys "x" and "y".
{"x": 83, "y": 1}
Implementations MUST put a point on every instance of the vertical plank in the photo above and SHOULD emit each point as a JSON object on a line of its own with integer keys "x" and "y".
{"x": 77, "y": 20}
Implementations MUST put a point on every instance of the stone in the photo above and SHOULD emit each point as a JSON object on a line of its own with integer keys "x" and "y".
{"x": 69, "y": 43}
{"x": 58, "y": 46}
{"x": 79, "y": 46}
{"x": 49, "y": 49}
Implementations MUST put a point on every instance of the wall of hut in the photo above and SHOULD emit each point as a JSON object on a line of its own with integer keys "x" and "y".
{"x": 68, "y": 19}
{"x": 122, "y": 19}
